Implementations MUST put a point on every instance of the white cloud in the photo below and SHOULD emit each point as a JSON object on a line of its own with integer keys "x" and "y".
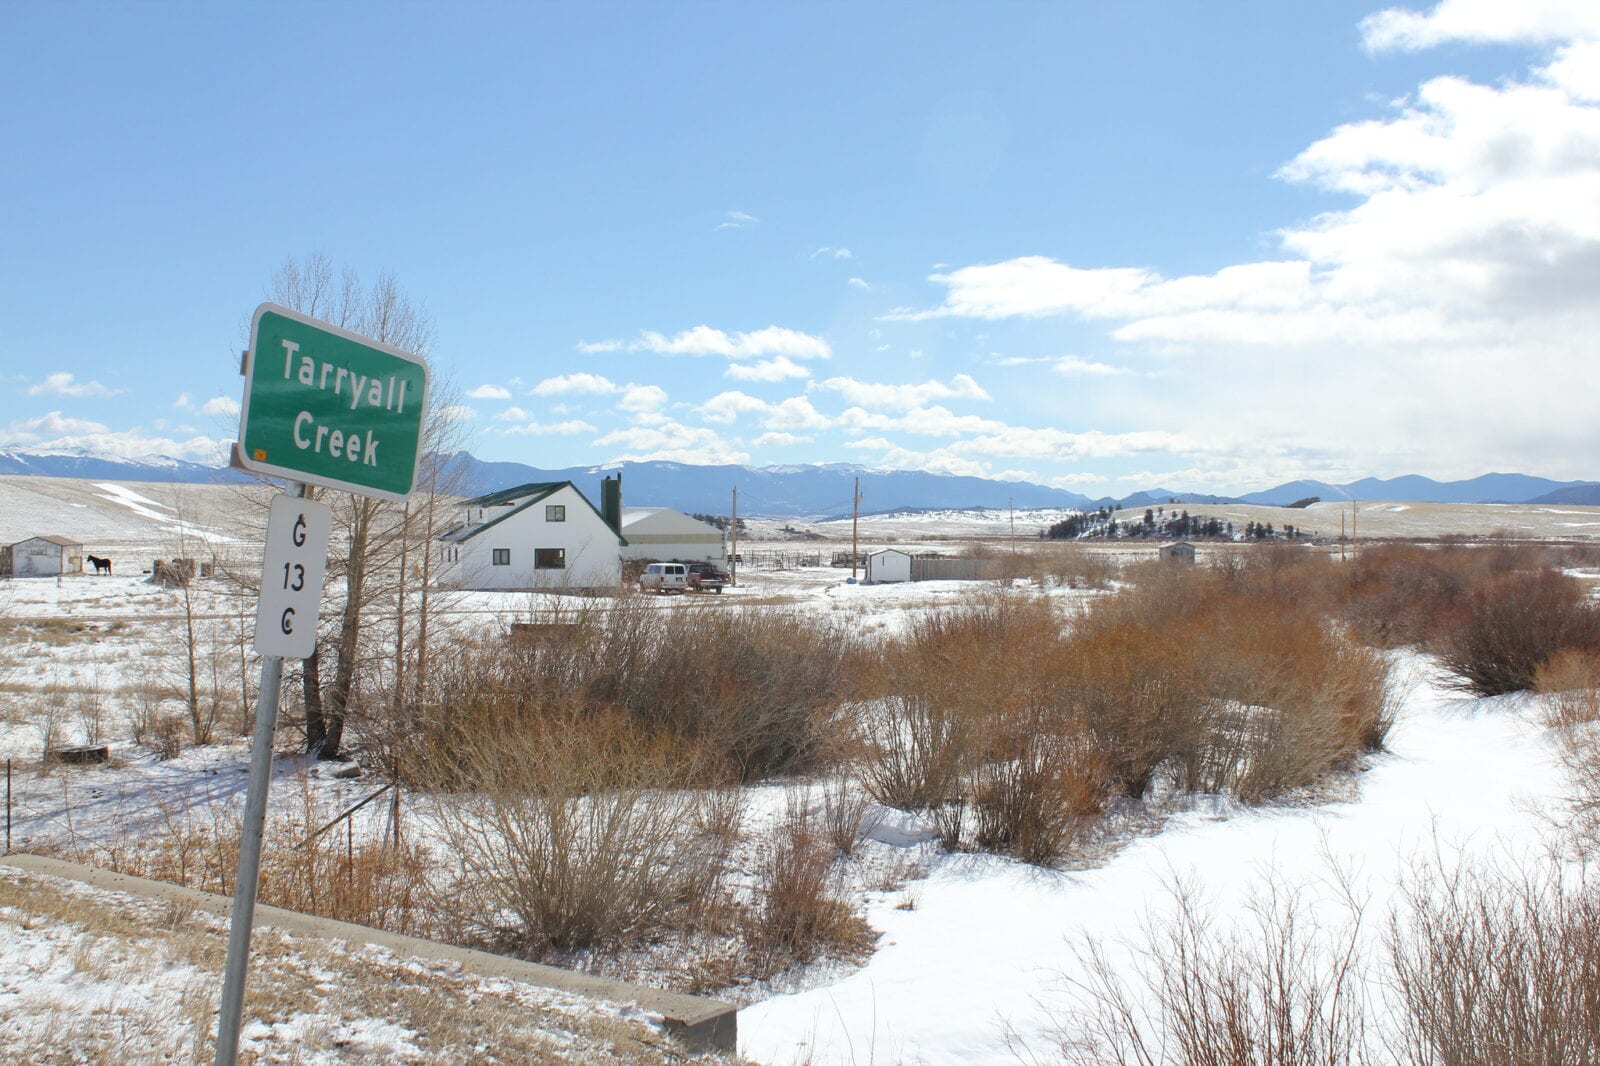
{"x": 1072, "y": 366}
{"x": 545, "y": 429}
{"x": 642, "y": 398}
{"x": 220, "y": 407}
{"x": 513, "y": 414}
{"x": 57, "y": 432}
{"x": 827, "y": 252}
{"x": 595, "y": 347}
{"x": 1074, "y": 481}
{"x": 726, "y": 407}
{"x": 904, "y": 397}
{"x": 183, "y": 403}
{"x": 779, "y": 369}
{"x": 923, "y": 421}
{"x": 672, "y": 442}
{"x": 1481, "y": 22}
{"x": 780, "y": 440}
{"x": 704, "y": 340}
{"x": 490, "y": 392}
{"x": 1476, "y": 219}
{"x": 796, "y": 413}
{"x": 737, "y": 220}
{"x": 457, "y": 412}
{"x": 580, "y": 382}
{"x": 65, "y": 384}
{"x": 860, "y": 283}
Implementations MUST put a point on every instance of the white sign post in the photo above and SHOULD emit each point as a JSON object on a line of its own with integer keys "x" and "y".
{"x": 291, "y": 577}
{"x": 345, "y": 412}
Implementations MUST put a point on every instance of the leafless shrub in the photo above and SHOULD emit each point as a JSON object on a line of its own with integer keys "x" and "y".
{"x": 335, "y": 875}
{"x": 1032, "y": 803}
{"x": 1499, "y": 967}
{"x": 168, "y": 734}
{"x": 573, "y": 829}
{"x": 921, "y": 751}
{"x": 1569, "y": 683}
{"x": 1071, "y": 566}
{"x": 762, "y": 688}
{"x": 1280, "y": 990}
{"x": 800, "y": 912}
{"x": 842, "y": 815}
{"x": 1516, "y": 621}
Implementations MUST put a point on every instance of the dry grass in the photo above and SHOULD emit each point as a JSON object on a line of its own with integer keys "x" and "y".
{"x": 129, "y": 950}
{"x": 364, "y": 881}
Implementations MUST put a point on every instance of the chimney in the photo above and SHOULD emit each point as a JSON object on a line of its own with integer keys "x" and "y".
{"x": 611, "y": 502}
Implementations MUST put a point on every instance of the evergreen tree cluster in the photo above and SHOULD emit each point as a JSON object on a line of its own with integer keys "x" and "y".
{"x": 1162, "y": 524}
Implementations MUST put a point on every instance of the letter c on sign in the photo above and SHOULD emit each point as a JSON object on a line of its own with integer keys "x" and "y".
{"x": 287, "y": 624}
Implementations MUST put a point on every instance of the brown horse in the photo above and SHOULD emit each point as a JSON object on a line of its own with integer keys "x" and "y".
{"x": 101, "y": 566}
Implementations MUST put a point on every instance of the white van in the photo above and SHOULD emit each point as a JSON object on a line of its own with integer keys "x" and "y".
{"x": 664, "y": 577}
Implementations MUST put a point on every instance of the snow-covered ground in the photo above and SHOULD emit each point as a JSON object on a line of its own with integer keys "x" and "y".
{"x": 989, "y": 945}
{"x": 979, "y": 948}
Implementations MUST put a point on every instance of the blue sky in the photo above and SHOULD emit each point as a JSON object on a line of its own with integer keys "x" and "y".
{"x": 1101, "y": 246}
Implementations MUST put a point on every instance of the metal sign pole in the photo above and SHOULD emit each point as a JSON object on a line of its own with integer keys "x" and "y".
{"x": 241, "y": 924}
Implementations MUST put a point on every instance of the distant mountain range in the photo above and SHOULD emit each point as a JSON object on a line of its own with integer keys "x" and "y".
{"x": 1414, "y": 488}
{"x": 824, "y": 490}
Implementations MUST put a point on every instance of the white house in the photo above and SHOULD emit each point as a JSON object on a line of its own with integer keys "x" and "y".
{"x": 654, "y": 533}
{"x": 888, "y": 564}
{"x": 46, "y": 556}
{"x": 541, "y": 536}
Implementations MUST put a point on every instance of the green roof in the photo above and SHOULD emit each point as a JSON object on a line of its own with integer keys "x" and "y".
{"x": 530, "y": 494}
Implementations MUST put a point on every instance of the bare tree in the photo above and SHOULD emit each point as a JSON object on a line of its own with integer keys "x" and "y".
{"x": 376, "y": 538}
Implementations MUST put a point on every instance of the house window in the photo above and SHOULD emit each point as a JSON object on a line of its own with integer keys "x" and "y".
{"x": 549, "y": 558}
{"x": 502, "y": 557}
{"x": 555, "y": 512}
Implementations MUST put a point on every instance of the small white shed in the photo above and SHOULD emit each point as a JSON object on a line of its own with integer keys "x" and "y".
{"x": 1179, "y": 552}
{"x": 660, "y": 533}
{"x": 888, "y": 564}
{"x": 46, "y": 556}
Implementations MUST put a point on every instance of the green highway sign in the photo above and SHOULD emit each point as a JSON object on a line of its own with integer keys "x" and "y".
{"x": 329, "y": 407}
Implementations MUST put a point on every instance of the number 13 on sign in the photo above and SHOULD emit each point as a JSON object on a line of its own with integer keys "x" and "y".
{"x": 291, "y": 577}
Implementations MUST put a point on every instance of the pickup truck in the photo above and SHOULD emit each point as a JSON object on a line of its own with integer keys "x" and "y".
{"x": 703, "y": 577}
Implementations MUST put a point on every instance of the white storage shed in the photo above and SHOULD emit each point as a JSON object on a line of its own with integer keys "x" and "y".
{"x": 46, "y": 556}
{"x": 888, "y": 564}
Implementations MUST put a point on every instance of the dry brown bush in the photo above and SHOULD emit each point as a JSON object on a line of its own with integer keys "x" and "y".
{"x": 761, "y": 687}
{"x": 1033, "y": 802}
{"x": 576, "y": 828}
{"x": 1403, "y": 594}
{"x": 800, "y": 911}
{"x": 1280, "y": 991}
{"x": 1569, "y": 683}
{"x": 1071, "y": 566}
{"x": 1516, "y": 620}
{"x": 1496, "y": 968}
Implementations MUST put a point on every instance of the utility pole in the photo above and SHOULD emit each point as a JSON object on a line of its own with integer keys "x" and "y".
{"x": 1341, "y": 535}
{"x": 733, "y": 558}
{"x": 1354, "y": 511}
{"x": 855, "y": 518}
